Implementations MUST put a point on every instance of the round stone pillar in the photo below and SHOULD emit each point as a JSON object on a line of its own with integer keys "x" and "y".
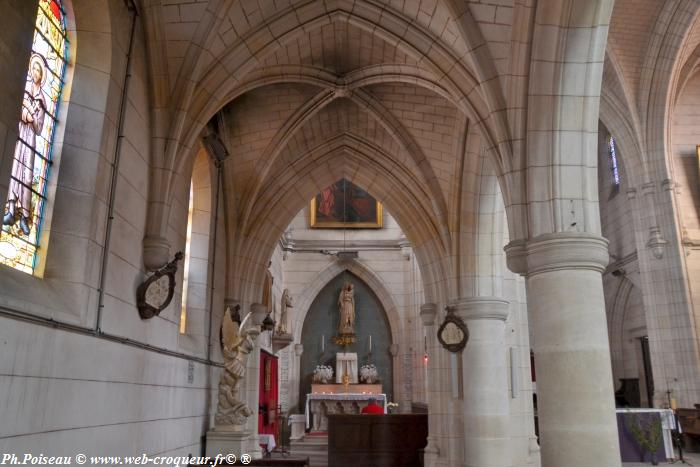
{"x": 428, "y": 312}
{"x": 486, "y": 404}
{"x": 258, "y": 313}
{"x": 575, "y": 396}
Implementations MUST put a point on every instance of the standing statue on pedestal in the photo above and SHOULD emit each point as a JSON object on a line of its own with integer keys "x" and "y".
{"x": 237, "y": 345}
{"x": 286, "y": 303}
{"x": 346, "y": 307}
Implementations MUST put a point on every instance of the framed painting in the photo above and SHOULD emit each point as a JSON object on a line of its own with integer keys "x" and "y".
{"x": 345, "y": 205}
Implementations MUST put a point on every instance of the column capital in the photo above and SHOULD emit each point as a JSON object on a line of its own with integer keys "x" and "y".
{"x": 394, "y": 350}
{"x": 473, "y": 308}
{"x": 156, "y": 252}
{"x": 561, "y": 250}
{"x": 428, "y": 312}
{"x": 259, "y": 311}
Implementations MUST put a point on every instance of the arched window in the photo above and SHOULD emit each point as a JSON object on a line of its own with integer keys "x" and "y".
{"x": 612, "y": 157}
{"x": 21, "y": 224}
{"x": 193, "y": 308}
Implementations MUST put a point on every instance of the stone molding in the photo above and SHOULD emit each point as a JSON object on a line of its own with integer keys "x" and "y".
{"x": 394, "y": 350}
{"x": 259, "y": 311}
{"x": 562, "y": 250}
{"x": 428, "y": 313}
{"x": 156, "y": 252}
{"x": 474, "y": 308}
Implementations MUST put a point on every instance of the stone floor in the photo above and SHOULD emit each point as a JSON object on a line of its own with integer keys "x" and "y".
{"x": 691, "y": 459}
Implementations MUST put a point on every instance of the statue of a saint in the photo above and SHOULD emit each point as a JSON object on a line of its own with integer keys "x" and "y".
{"x": 19, "y": 196}
{"x": 286, "y": 303}
{"x": 236, "y": 347}
{"x": 346, "y": 307}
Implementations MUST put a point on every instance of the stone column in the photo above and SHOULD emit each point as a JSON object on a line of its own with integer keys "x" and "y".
{"x": 486, "y": 404}
{"x": 428, "y": 312}
{"x": 572, "y": 356}
{"x": 259, "y": 312}
{"x": 296, "y": 380}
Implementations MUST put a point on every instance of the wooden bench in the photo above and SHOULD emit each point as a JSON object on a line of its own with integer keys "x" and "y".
{"x": 377, "y": 440}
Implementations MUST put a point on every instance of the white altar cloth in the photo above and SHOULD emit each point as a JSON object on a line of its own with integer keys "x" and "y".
{"x": 268, "y": 441}
{"x": 381, "y": 399}
{"x": 346, "y": 362}
{"x": 668, "y": 424}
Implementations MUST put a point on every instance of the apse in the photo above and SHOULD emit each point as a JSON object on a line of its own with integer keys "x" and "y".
{"x": 321, "y": 325}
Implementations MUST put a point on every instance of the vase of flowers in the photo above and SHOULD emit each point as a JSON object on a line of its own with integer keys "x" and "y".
{"x": 392, "y": 407}
{"x": 369, "y": 374}
{"x": 323, "y": 374}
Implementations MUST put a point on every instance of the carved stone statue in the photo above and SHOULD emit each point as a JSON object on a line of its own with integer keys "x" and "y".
{"x": 237, "y": 345}
{"x": 286, "y": 303}
{"x": 346, "y": 308}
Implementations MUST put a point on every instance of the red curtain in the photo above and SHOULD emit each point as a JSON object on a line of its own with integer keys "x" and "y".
{"x": 269, "y": 395}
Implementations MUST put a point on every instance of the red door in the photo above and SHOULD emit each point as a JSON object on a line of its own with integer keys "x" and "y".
{"x": 269, "y": 394}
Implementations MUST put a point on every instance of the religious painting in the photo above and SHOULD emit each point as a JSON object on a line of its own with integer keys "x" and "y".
{"x": 24, "y": 207}
{"x": 345, "y": 205}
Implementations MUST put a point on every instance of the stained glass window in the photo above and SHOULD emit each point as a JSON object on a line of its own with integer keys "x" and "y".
{"x": 26, "y": 198}
{"x": 612, "y": 156}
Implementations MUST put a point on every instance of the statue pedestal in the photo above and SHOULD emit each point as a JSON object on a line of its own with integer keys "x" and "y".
{"x": 280, "y": 341}
{"x": 231, "y": 441}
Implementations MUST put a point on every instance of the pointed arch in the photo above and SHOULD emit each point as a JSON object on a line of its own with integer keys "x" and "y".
{"x": 360, "y": 270}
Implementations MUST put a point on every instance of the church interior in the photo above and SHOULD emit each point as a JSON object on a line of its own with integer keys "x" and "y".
{"x": 231, "y": 228}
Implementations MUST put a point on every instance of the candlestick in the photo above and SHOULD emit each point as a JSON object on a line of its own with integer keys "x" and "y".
{"x": 370, "y": 343}
{"x": 323, "y": 342}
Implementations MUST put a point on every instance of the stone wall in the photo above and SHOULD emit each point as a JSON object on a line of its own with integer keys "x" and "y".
{"x": 131, "y": 386}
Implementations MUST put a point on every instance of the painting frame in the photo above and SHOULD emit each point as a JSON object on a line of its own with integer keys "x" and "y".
{"x": 316, "y": 223}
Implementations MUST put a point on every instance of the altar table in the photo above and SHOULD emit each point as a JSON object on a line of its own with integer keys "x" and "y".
{"x": 322, "y": 405}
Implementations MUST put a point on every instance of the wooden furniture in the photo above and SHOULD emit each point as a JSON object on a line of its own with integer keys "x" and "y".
{"x": 319, "y": 406}
{"x": 377, "y": 440}
{"x": 689, "y": 420}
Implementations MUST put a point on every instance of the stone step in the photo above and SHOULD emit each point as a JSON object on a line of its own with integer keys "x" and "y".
{"x": 313, "y": 447}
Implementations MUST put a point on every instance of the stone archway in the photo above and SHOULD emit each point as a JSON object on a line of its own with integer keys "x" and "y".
{"x": 320, "y": 324}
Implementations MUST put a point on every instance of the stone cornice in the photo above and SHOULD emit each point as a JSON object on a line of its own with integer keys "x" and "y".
{"x": 332, "y": 245}
{"x": 473, "y": 308}
{"x": 428, "y": 312}
{"x": 563, "y": 250}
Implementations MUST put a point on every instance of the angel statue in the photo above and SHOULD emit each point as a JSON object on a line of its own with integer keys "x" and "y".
{"x": 237, "y": 345}
{"x": 286, "y": 304}
{"x": 346, "y": 309}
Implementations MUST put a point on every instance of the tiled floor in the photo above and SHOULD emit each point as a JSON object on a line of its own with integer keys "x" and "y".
{"x": 691, "y": 459}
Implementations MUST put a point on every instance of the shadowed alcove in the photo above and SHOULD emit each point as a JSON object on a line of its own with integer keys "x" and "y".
{"x": 321, "y": 323}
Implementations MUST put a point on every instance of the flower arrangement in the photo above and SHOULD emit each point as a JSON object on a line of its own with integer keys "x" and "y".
{"x": 369, "y": 374}
{"x": 392, "y": 406}
{"x": 322, "y": 374}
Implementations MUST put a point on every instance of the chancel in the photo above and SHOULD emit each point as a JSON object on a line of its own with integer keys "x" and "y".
{"x": 228, "y": 224}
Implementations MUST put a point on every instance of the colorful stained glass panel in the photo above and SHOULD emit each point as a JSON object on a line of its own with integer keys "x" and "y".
{"x": 21, "y": 225}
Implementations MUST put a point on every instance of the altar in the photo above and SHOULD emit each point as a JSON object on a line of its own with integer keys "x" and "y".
{"x": 320, "y": 405}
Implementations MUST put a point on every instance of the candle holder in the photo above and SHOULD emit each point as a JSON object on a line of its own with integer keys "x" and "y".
{"x": 344, "y": 340}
